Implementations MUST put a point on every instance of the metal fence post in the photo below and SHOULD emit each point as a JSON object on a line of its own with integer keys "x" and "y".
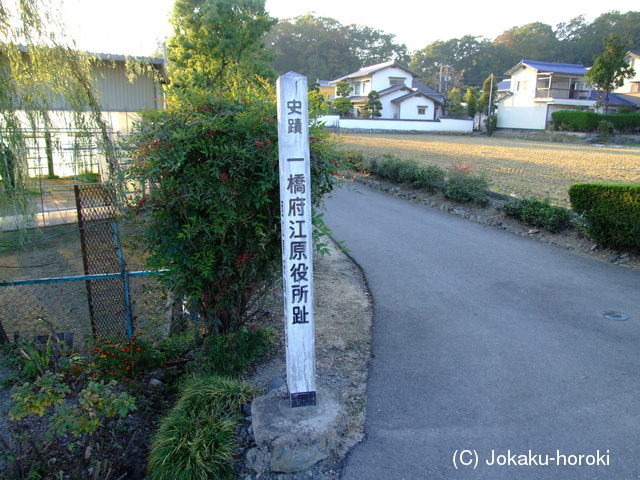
{"x": 125, "y": 281}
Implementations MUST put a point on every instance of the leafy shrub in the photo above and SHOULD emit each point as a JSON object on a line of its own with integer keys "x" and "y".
{"x": 491, "y": 124}
{"x": 390, "y": 167}
{"x": 196, "y": 440}
{"x": 581, "y": 121}
{"x": 373, "y": 166}
{"x": 539, "y": 213}
{"x": 430, "y": 178}
{"x": 611, "y": 211}
{"x": 212, "y": 218}
{"x": 605, "y": 129}
{"x": 623, "y": 123}
{"x": 408, "y": 171}
{"x": 73, "y": 413}
{"x": 352, "y": 160}
{"x": 575, "y": 120}
{"x": 465, "y": 187}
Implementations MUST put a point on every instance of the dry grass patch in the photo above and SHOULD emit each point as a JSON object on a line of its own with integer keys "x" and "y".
{"x": 520, "y": 167}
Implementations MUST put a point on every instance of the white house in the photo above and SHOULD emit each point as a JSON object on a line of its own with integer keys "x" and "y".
{"x": 537, "y": 89}
{"x": 630, "y": 91}
{"x": 402, "y": 96}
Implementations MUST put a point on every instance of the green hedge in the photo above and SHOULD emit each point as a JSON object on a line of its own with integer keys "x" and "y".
{"x": 611, "y": 210}
{"x": 580, "y": 121}
{"x": 539, "y": 213}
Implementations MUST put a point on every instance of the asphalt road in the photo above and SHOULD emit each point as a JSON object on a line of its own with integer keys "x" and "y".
{"x": 489, "y": 348}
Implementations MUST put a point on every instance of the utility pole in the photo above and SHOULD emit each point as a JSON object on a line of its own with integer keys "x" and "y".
{"x": 490, "y": 97}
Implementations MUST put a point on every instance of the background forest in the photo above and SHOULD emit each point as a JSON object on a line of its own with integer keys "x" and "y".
{"x": 322, "y": 48}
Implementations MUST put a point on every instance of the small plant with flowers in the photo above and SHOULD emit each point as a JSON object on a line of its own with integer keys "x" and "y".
{"x": 125, "y": 360}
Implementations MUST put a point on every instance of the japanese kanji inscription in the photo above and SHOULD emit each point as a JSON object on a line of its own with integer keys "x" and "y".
{"x": 297, "y": 247}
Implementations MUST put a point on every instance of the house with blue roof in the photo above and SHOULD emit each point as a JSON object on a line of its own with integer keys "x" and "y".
{"x": 537, "y": 89}
{"x": 402, "y": 95}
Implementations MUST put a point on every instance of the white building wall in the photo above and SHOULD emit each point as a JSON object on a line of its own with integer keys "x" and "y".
{"x": 442, "y": 125}
{"x": 380, "y": 80}
{"x": 409, "y": 108}
{"x": 515, "y": 114}
{"x": 519, "y": 110}
{"x": 628, "y": 86}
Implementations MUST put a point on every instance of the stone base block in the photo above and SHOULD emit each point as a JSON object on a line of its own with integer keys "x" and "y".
{"x": 294, "y": 439}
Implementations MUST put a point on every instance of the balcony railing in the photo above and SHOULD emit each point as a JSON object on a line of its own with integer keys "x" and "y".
{"x": 563, "y": 93}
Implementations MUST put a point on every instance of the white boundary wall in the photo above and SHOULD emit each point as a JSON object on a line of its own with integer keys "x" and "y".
{"x": 441, "y": 125}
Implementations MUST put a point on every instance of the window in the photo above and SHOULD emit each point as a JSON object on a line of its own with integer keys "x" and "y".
{"x": 422, "y": 110}
{"x": 396, "y": 81}
{"x": 635, "y": 88}
{"x": 357, "y": 89}
{"x": 523, "y": 85}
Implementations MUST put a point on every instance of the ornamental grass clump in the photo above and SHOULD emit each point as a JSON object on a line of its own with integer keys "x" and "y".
{"x": 196, "y": 440}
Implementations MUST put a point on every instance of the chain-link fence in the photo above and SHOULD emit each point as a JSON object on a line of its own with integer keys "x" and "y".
{"x": 28, "y": 305}
{"x": 77, "y": 277}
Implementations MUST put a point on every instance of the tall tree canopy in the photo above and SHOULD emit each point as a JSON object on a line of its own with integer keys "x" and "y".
{"x": 324, "y": 49}
{"x": 468, "y": 58}
{"x": 218, "y": 44}
{"x": 535, "y": 41}
{"x": 575, "y": 41}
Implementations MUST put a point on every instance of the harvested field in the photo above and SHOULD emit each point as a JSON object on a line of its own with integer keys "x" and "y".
{"x": 523, "y": 168}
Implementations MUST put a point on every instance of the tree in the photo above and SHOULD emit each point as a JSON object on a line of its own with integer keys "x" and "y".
{"x": 471, "y": 99}
{"x": 372, "y": 106}
{"x": 610, "y": 69}
{"x": 486, "y": 101}
{"x": 323, "y": 48}
{"x": 535, "y": 41}
{"x": 488, "y": 95}
{"x": 342, "y": 104}
{"x": 317, "y": 47}
{"x": 589, "y": 39}
{"x": 212, "y": 218}
{"x": 372, "y": 46}
{"x": 218, "y": 45}
{"x": 454, "y": 106}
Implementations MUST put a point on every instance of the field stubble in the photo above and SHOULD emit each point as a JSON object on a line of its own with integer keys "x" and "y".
{"x": 523, "y": 168}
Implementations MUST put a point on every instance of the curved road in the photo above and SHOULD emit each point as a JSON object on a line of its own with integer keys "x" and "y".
{"x": 490, "y": 345}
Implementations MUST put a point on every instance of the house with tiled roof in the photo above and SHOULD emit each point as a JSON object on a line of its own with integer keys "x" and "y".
{"x": 537, "y": 89}
{"x": 403, "y": 97}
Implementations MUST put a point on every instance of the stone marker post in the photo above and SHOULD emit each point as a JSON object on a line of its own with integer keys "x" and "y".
{"x": 297, "y": 244}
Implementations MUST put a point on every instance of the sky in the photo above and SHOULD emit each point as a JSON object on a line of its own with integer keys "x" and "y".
{"x": 134, "y": 27}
